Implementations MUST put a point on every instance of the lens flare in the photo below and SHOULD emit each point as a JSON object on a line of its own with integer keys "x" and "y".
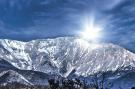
{"x": 92, "y": 31}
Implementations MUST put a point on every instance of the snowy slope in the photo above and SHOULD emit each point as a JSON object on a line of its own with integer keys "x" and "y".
{"x": 65, "y": 54}
{"x": 125, "y": 82}
{"x": 12, "y": 76}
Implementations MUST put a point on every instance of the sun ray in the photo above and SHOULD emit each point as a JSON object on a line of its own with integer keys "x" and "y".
{"x": 92, "y": 31}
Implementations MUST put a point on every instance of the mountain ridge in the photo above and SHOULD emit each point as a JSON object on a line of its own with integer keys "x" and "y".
{"x": 36, "y": 61}
{"x": 64, "y": 54}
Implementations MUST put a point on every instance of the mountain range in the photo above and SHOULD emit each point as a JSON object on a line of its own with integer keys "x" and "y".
{"x": 36, "y": 61}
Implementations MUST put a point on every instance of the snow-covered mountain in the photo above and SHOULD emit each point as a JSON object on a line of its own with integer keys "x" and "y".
{"x": 63, "y": 55}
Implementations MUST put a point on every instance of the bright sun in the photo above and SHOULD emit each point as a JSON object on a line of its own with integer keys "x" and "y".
{"x": 91, "y": 30}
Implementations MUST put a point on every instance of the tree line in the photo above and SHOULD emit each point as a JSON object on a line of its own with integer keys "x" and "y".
{"x": 64, "y": 83}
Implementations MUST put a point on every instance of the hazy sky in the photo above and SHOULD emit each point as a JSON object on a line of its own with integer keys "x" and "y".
{"x": 34, "y": 19}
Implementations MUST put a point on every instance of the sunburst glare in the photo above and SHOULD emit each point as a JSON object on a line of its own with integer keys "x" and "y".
{"x": 91, "y": 31}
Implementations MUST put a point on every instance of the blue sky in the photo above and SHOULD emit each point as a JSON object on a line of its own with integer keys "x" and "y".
{"x": 35, "y": 19}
